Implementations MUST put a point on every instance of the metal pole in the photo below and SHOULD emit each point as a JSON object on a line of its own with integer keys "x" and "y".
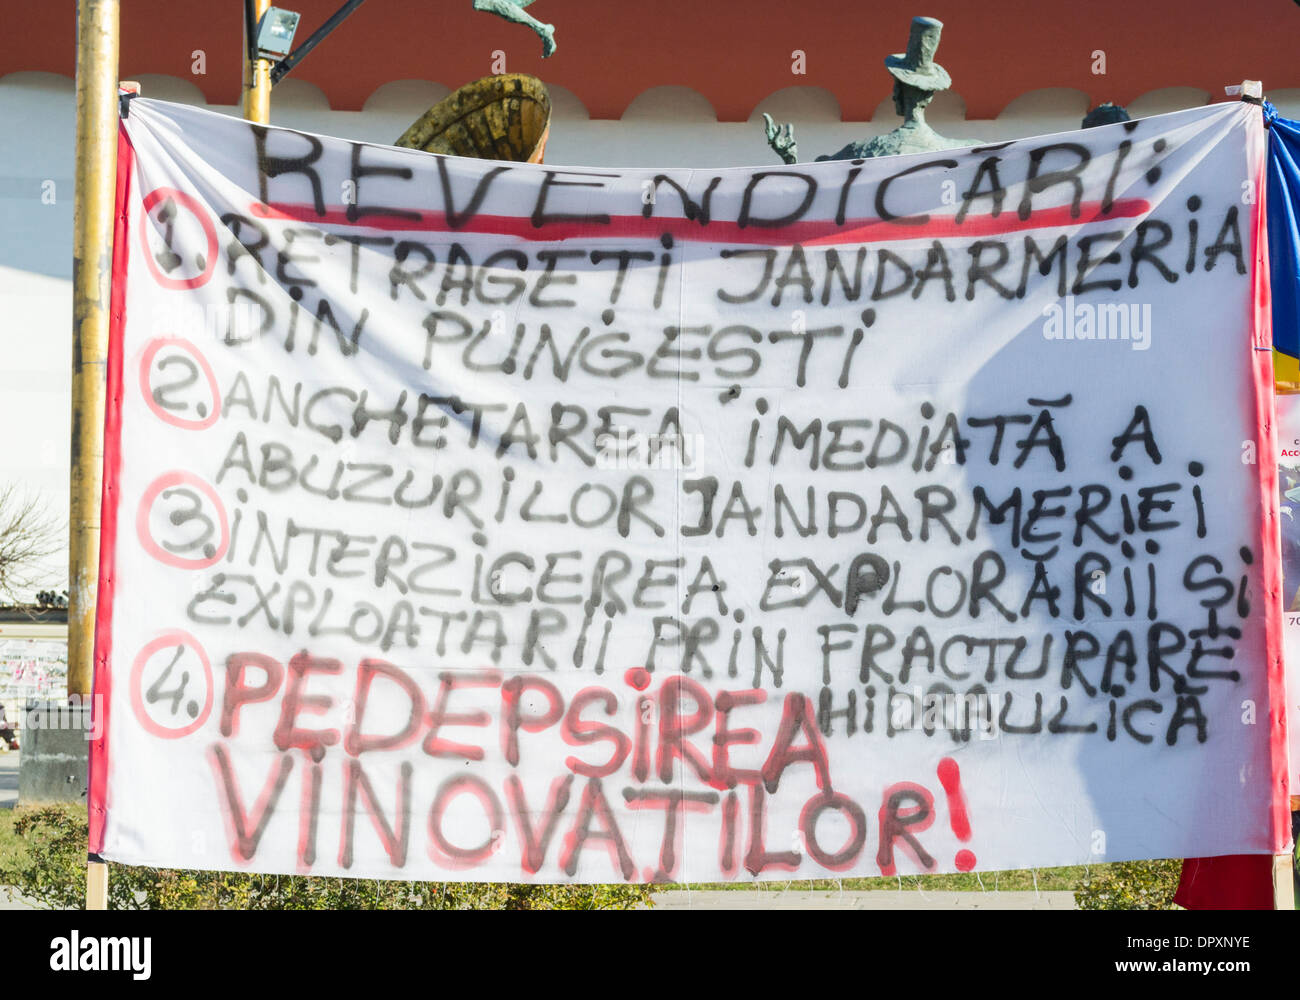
{"x": 256, "y": 104}
{"x": 92, "y": 260}
{"x": 281, "y": 69}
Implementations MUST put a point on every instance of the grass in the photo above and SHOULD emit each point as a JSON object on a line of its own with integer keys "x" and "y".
{"x": 12, "y": 848}
{"x": 1024, "y": 880}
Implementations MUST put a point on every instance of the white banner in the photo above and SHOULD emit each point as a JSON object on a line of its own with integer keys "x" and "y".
{"x": 474, "y": 520}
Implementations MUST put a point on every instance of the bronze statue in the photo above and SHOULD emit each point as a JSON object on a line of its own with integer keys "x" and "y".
{"x": 917, "y": 78}
{"x": 1104, "y": 114}
{"x": 513, "y": 10}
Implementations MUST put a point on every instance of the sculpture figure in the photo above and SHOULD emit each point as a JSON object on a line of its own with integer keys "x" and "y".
{"x": 917, "y": 78}
{"x": 513, "y": 10}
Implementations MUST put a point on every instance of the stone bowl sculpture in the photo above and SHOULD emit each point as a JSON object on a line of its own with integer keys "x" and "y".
{"x": 505, "y": 117}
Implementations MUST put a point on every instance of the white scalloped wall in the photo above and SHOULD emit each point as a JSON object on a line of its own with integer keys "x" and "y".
{"x": 664, "y": 125}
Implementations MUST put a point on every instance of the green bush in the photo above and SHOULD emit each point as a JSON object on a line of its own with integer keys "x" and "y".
{"x": 1130, "y": 885}
{"x": 50, "y": 869}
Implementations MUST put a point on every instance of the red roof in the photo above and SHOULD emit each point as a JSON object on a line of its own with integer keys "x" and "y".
{"x": 735, "y": 54}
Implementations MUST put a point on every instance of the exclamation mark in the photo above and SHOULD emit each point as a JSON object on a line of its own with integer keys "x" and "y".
{"x": 959, "y": 818}
{"x": 639, "y": 678}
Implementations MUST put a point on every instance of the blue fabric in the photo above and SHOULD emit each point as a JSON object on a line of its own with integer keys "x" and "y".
{"x": 1284, "y": 233}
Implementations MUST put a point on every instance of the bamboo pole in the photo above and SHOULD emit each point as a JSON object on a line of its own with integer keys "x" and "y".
{"x": 92, "y": 249}
{"x": 256, "y": 101}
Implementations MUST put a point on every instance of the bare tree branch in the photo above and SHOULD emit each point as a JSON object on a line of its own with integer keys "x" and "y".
{"x": 29, "y": 534}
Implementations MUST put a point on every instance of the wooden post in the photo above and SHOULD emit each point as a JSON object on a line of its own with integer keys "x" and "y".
{"x": 97, "y": 885}
{"x": 256, "y": 103}
{"x": 1283, "y": 877}
{"x": 1283, "y": 883}
{"x": 1284, "y": 869}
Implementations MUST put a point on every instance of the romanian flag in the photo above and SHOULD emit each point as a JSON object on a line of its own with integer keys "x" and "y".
{"x": 1283, "y": 208}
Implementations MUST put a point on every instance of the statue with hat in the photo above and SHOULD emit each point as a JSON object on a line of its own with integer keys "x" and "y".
{"x": 917, "y": 78}
{"x": 1105, "y": 114}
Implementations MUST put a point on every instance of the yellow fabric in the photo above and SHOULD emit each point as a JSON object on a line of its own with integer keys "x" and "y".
{"x": 1286, "y": 372}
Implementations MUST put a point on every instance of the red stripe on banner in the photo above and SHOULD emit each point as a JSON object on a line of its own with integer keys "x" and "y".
{"x": 821, "y": 231}
{"x": 1244, "y": 881}
{"x": 1270, "y": 536}
{"x": 102, "y": 688}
